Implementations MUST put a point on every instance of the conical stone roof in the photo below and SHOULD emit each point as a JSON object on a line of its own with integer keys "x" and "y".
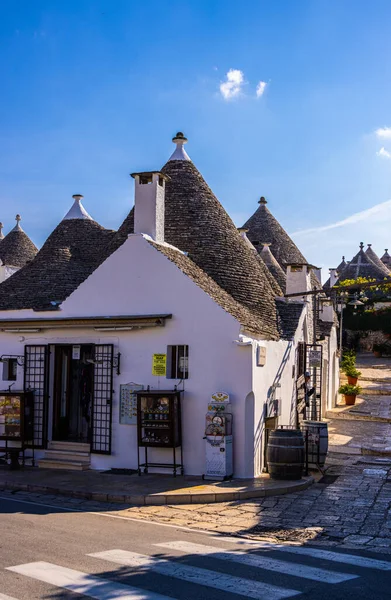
{"x": 386, "y": 259}
{"x": 362, "y": 266}
{"x": 263, "y": 227}
{"x": 16, "y": 248}
{"x": 70, "y": 254}
{"x": 196, "y": 223}
{"x": 374, "y": 258}
{"x": 273, "y": 266}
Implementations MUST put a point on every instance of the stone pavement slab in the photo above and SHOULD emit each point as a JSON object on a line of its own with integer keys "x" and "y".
{"x": 143, "y": 490}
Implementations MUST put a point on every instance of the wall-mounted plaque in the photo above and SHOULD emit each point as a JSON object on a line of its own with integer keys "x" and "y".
{"x": 128, "y": 403}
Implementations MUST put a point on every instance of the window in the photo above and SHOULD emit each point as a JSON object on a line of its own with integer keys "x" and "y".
{"x": 177, "y": 362}
{"x": 10, "y": 369}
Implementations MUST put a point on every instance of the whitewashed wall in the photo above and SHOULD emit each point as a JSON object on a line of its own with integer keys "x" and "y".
{"x": 138, "y": 280}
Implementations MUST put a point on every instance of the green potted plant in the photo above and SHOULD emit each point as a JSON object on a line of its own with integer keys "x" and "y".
{"x": 352, "y": 374}
{"x": 349, "y": 392}
{"x": 348, "y": 360}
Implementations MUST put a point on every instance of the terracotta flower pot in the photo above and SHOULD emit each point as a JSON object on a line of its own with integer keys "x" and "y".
{"x": 350, "y": 399}
{"x": 352, "y": 380}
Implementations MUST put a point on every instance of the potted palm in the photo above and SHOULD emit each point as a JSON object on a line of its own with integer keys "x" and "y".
{"x": 349, "y": 392}
{"x": 352, "y": 374}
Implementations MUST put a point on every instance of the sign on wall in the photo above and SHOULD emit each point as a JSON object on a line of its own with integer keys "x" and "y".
{"x": 128, "y": 403}
{"x": 159, "y": 365}
{"x": 76, "y": 352}
{"x": 261, "y": 356}
{"x": 315, "y": 358}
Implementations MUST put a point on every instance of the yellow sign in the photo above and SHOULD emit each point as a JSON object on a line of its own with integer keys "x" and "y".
{"x": 159, "y": 362}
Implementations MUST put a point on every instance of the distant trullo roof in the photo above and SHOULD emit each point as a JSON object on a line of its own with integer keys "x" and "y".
{"x": 263, "y": 227}
{"x": 196, "y": 223}
{"x": 362, "y": 266}
{"x": 16, "y": 248}
{"x": 386, "y": 258}
{"x": 374, "y": 257}
{"x": 70, "y": 254}
{"x": 341, "y": 265}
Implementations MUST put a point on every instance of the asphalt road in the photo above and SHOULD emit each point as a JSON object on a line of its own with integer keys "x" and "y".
{"x": 49, "y": 553}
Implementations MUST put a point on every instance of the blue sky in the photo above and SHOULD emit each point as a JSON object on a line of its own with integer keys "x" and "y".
{"x": 93, "y": 90}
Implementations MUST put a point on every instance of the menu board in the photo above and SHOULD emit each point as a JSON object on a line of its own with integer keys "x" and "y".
{"x": 10, "y": 416}
{"x": 128, "y": 403}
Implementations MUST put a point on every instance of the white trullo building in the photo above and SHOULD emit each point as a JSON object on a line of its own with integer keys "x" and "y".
{"x": 177, "y": 279}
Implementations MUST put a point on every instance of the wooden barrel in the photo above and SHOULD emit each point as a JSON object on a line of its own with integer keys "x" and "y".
{"x": 318, "y": 442}
{"x": 285, "y": 454}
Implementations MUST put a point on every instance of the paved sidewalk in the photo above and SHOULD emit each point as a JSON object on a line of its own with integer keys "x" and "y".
{"x": 143, "y": 490}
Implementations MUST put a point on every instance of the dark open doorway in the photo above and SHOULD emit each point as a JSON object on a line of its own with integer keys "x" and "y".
{"x": 73, "y": 393}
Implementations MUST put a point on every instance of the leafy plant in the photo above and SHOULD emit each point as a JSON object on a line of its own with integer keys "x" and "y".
{"x": 348, "y": 360}
{"x": 349, "y": 390}
{"x": 351, "y": 371}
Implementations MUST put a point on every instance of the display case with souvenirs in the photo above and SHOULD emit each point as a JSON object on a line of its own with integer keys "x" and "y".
{"x": 16, "y": 416}
{"x": 159, "y": 424}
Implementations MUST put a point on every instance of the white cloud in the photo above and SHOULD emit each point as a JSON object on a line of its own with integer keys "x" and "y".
{"x": 384, "y": 133}
{"x": 364, "y": 215}
{"x": 233, "y": 86}
{"x": 383, "y": 152}
{"x": 261, "y": 88}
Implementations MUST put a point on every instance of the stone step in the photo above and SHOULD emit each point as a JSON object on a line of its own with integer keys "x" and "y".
{"x": 64, "y": 455}
{"x": 68, "y": 465}
{"x": 69, "y": 446}
{"x": 330, "y": 414}
{"x": 372, "y": 451}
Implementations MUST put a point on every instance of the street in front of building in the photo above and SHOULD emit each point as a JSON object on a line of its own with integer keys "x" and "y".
{"x": 52, "y": 552}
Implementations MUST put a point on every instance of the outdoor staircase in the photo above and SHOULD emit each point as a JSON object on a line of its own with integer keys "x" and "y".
{"x": 73, "y": 456}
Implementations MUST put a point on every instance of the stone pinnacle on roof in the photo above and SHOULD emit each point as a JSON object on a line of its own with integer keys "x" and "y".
{"x": 374, "y": 257}
{"x": 77, "y": 210}
{"x": 361, "y": 265}
{"x": 17, "y": 227}
{"x": 179, "y": 153}
{"x": 1, "y": 231}
{"x": 263, "y": 227}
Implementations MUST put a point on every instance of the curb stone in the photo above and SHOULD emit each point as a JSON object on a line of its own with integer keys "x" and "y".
{"x": 161, "y": 499}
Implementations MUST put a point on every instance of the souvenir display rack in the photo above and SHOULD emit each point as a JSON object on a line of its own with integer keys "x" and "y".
{"x": 159, "y": 426}
{"x": 16, "y": 425}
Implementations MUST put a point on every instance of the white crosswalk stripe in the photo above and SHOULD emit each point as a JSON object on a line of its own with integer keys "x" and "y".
{"x": 260, "y": 562}
{"x": 339, "y": 557}
{"x": 82, "y": 583}
{"x": 221, "y": 581}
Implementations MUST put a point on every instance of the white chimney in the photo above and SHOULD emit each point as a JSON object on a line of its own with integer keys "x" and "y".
{"x": 149, "y": 204}
{"x": 298, "y": 279}
{"x": 333, "y": 277}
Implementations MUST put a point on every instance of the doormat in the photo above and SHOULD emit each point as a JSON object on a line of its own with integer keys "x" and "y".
{"x": 328, "y": 479}
{"x": 120, "y": 472}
